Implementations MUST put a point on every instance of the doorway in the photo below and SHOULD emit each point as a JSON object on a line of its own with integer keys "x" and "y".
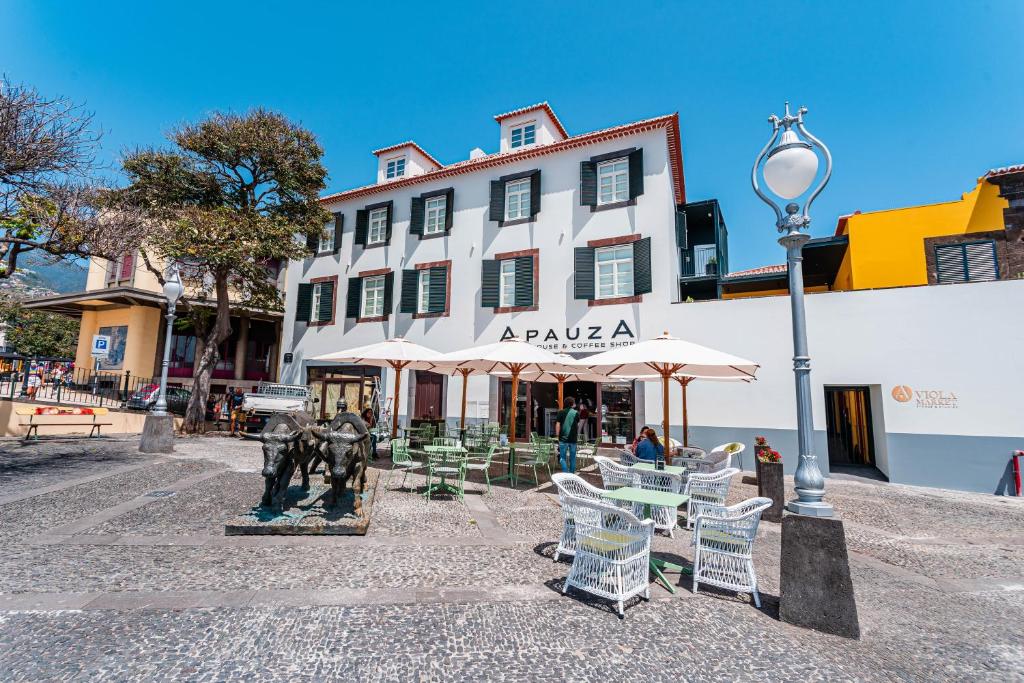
{"x": 429, "y": 396}
{"x": 606, "y": 410}
{"x": 848, "y": 427}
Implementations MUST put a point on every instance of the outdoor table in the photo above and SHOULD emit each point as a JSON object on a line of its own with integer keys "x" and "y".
{"x": 647, "y": 498}
{"x": 443, "y": 485}
{"x": 670, "y": 469}
{"x": 512, "y": 477}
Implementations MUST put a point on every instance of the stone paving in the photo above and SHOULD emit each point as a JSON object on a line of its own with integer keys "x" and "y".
{"x": 100, "y": 581}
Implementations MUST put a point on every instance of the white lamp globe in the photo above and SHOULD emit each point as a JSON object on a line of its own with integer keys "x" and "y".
{"x": 791, "y": 167}
{"x": 173, "y": 288}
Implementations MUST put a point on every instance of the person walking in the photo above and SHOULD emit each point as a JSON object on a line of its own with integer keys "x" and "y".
{"x": 567, "y": 425}
{"x": 236, "y": 400}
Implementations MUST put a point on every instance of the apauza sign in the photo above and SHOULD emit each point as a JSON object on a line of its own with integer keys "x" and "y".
{"x": 579, "y": 338}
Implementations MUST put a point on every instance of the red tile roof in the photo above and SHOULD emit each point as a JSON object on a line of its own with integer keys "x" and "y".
{"x": 761, "y": 270}
{"x": 533, "y": 107}
{"x": 408, "y": 143}
{"x": 1005, "y": 170}
{"x": 669, "y": 122}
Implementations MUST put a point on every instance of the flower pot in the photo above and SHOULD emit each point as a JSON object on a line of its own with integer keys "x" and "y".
{"x": 770, "y": 484}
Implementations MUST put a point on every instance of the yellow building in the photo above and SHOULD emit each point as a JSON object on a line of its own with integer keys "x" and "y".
{"x": 124, "y": 300}
{"x": 968, "y": 239}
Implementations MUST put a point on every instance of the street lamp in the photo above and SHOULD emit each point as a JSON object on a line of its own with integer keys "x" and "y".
{"x": 172, "y": 290}
{"x": 789, "y": 171}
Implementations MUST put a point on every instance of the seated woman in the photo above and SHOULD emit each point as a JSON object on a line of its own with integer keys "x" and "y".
{"x": 649, "y": 448}
{"x": 640, "y": 436}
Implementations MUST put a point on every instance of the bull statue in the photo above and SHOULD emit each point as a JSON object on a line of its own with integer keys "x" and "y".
{"x": 347, "y": 455}
{"x": 288, "y": 443}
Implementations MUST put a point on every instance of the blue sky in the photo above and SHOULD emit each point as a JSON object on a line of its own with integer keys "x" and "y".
{"x": 916, "y": 100}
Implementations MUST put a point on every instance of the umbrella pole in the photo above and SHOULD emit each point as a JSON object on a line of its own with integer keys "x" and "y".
{"x": 397, "y": 367}
{"x": 561, "y": 393}
{"x": 664, "y": 413}
{"x": 512, "y": 408}
{"x": 465, "y": 380}
{"x": 686, "y": 422}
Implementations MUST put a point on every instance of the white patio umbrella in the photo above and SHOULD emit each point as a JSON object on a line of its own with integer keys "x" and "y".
{"x": 570, "y": 369}
{"x": 397, "y": 354}
{"x": 511, "y": 356}
{"x": 666, "y": 356}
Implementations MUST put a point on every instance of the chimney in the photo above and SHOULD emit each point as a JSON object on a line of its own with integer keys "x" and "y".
{"x": 477, "y": 153}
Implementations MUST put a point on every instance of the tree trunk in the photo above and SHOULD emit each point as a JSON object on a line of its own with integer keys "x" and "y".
{"x": 195, "y": 414}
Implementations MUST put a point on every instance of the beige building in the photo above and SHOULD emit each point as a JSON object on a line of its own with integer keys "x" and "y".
{"x": 125, "y": 301}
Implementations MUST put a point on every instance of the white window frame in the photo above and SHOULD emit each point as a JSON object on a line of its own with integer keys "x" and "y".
{"x": 314, "y": 313}
{"x": 522, "y": 130}
{"x": 376, "y": 285}
{"x": 327, "y": 241}
{"x": 621, "y": 277}
{"x": 377, "y": 226}
{"x": 507, "y": 283}
{"x": 520, "y": 191}
{"x": 395, "y": 168}
{"x": 617, "y": 181}
{"x": 423, "y": 291}
{"x": 434, "y": 217}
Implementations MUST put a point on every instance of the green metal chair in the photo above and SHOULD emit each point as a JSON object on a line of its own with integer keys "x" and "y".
{"x": 539, "y": 457}
{"x": 446, "y": 441}
{"x": 475, "y": 463}
{"x": 401, "y": 458}
{"x": 448, "y": 465}
{"x": 585, "y": 450}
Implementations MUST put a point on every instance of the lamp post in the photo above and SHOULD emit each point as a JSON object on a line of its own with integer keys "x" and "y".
{"x": 789, "y": 171}
{"x": 172, "y": 290}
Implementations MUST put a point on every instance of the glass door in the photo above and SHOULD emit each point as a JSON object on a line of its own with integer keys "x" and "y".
{"x": 523, "y": 422}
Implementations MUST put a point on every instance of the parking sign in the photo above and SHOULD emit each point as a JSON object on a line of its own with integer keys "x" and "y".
{"x": 100, "y": 345}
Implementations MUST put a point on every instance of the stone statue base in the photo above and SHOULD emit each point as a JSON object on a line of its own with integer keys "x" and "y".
{"x": 157, "y": 434}
{"x": 309, "y": 513}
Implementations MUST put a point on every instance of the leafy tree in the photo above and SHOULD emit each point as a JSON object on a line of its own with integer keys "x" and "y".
{"x": 36, "y": 333}
{"x": 225, "y": 202}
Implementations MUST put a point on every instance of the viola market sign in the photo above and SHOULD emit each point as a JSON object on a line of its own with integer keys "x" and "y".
{"x": 924, "y": 398}
{"x": 579, "y": 338}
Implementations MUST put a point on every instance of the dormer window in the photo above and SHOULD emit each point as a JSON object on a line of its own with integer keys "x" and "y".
{"x": 395, "y": 168}
{"x": 524, "y": 135}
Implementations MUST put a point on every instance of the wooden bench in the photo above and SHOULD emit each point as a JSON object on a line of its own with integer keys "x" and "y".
{"x": 76, "y": 417}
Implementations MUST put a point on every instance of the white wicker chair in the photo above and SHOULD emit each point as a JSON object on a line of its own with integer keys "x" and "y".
{"x": 571, "y": 489}
{"x": 664, "y": 517}
{"x": 627, "y": 458}
{"x": 614, "y": 475}
{"x": 613, "y": 550}
{"x": 734, "y": 449}
{"x": 724, "y": 541}
{"x": 706, "y": 491}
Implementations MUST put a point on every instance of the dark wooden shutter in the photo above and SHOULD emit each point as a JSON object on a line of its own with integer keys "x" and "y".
{"x": 304, "y": 302}
{"x": 636, "y": 173}
{"x": 588, "y": 183}
{"x": 313, "y": 242}
{"x": 362, "y": 227}
{"x": 524, "y": 281}
{"x": 489, "y": 278}
{"x": 410, "y": 290}
{"x": 387, "y": 231}
{"x": 339, "y": 225}
{"x": 642, "y": 266}
{"x": 981, "y": 261}
{"x": 326, "y": 312}
{"x": 355, "y": 293}
{"x": 416, "y": 219}
{"x": 535, "y": 193}
{"x": 389, "y": 286}
{"x": 438, "y": 290}
{"x": 497, "y": 212}
{"x": 449, "y": 209}
{"x": 681, "y": 236}
{"x": 583, "y": 273}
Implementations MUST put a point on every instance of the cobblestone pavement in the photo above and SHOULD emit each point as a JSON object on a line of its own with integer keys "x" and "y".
{"x": 100, "y": 581}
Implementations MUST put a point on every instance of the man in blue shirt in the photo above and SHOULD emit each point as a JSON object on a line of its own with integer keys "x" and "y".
{"x": 567, "y": 427}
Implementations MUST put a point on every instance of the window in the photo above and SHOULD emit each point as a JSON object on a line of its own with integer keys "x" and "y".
{"x": 327, "y": 241}
{"x": 613, "y": 181}
{"x": 968, "y": 262}
{"x": 517, "y": 199}
{"x": 373, "y": 297}
{"x": 378, "y": 226}
{"x": 314, "y": 314}
{"x": 423, "y": 295}
{"x": 435, "y": 209}
{"x": 524, "y": 135}
{"x": 614, "y": 271}
{"x": 396, "y": 168}
{"x": 507, "y": 284}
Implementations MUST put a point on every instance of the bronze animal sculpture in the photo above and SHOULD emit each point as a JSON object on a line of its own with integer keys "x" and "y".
{"x": 288, "y": 443}
{"x": 347, "y": 454}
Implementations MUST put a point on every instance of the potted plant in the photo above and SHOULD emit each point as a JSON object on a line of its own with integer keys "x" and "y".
{"x": 770, "y": 482}
{"x": 711, "y": 267}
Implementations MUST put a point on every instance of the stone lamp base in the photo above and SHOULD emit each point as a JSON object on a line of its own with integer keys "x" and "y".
{"x": 157, "y": 434}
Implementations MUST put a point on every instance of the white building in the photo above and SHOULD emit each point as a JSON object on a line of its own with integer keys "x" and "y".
{"x": 579, "y": 243}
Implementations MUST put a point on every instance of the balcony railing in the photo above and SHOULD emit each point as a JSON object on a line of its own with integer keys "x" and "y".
{"x": 699, "y": 262}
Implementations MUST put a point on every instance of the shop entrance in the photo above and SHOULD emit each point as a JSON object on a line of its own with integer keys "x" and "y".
{"x": 606, "y": 409}
{"x": 848, "y": 427}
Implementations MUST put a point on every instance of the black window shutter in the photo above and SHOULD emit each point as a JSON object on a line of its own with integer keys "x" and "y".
{"x": 362, "y": 227}
{"x": 389, "y": 285}
{"x": 583, "y": 276}
{"x": 981, "y": 261}
{"x": 642, "y": 266}
{"x": 524, "y": 281}
{"x": 326, "y": 313}
{"x": 355, "y": 293}
{"x": 636, "y": 173}
{"x": 304, "y": 303}
{"x": 588, "y": 183}
{"x": 416, "y": 218}
{"x": 410, "y": 290}
{"x": 535, "y": 193}
{"x": 491, "y": 273}
{"x": 387, "y": 232}
{"x": 681, "y": 236}
{"x": 497, "y": 200}
{"x": 339, "y": 224}
{"x": 438, "y": 290}
{"x": 313, "y": 243}
{"x": 449, "y": 209}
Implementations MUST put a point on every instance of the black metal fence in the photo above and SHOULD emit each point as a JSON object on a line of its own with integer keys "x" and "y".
{"x": 27, "y": 379}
